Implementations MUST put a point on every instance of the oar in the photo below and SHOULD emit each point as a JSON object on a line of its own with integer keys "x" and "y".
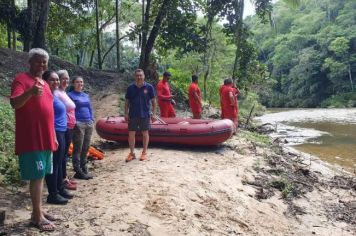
{"x": 160, "y": 120}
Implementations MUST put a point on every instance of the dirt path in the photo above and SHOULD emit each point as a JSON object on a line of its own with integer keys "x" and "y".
{"x": 179, "y": 191}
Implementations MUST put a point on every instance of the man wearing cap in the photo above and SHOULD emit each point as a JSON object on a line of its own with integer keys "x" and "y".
{"x": 165, "y": 98}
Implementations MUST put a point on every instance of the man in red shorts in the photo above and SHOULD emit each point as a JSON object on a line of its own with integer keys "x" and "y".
{"x": 165, "y": 98}
{"x": 195, "y": 98}
{"x": 35, "y": 137}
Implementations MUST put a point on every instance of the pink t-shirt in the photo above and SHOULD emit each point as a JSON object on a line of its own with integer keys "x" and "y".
{"x": 70, "y": 106}
{"x": 34, "y": 120}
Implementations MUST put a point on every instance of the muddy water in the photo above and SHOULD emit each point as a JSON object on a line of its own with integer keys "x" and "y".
{"x": 327, "y": 133}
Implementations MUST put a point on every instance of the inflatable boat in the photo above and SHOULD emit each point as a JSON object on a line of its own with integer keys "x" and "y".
{"x": 186, "y": 131}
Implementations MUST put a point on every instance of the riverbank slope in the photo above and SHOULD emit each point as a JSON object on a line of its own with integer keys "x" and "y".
{"x": 247, "y": 186}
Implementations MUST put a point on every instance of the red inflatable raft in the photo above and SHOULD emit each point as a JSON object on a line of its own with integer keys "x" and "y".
{"x": 170, "y": 130}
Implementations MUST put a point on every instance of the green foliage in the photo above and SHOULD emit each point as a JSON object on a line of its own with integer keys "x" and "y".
{"x": 259, "y": 139}
{"x": 9, "y": 168}
{"x": 3, "y": 33}
{"x": 246, "y": 102}
{"x": 180, "y": 81}
{"x": 340, "y": 101}
{"x": 309, "y": 52}
{"x": 285, "y": 186}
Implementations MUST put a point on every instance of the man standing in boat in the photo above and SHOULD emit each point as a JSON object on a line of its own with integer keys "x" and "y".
{"x": 165, "y": 98}
{"x": 195, "y": 98}
{"x": 138, "y": 112}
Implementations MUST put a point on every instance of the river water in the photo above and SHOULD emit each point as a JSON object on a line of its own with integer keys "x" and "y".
{"x": 329, "y": 134}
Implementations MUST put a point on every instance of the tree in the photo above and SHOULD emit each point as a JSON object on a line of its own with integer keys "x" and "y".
{"x": 8, "y": 12}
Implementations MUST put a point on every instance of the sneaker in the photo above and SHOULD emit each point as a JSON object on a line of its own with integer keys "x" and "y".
{"x": 72, "y": 181}
{"x": 56, "y": 199}
{"x": 89, "y": 176}
{"x": 66, "y": 194}
{"x": 143, "y": 156}
{"x": 130, "y": 157}
{"x": 81, "y": 175}
{"x": 68, "y": 185}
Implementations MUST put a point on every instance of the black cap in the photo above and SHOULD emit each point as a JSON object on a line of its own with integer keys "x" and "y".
{"x": 166, "y": 73}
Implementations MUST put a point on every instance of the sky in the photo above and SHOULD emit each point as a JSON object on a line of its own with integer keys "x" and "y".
{"x": 249, "y": 9}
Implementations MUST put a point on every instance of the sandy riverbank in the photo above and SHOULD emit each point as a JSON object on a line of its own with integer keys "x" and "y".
{"x": 195, "y": 191}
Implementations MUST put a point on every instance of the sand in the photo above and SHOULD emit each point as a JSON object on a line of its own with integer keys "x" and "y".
{"x": 178, "y": 191}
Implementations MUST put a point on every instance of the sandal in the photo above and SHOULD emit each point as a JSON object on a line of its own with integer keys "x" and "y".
{"x": 130, "y": 157}
{"x": 47, "y": 216}
{"x": 43, "y": 225}
{"x": 143, "y": 156}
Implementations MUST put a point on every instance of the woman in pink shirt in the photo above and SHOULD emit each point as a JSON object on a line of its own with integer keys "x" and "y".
{"x": 70, "y": 106}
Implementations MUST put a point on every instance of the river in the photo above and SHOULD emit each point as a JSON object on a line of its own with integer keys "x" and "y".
{"x": 329, "y": 134}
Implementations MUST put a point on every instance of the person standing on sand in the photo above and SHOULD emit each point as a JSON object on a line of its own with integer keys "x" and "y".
{"x": 228, "y": 102}
{"x": 83, "y": 129}
{"x": 35, "y": 137}
{"x": 195, "y": 98}
{"x": 165, "y": 98}
{"x": 70, "y": 108}
{"x": 137, "y": 112}
{"x": 57, "y": 194}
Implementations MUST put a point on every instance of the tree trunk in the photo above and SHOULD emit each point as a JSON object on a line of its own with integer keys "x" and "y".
{"x": 91, "y": 58}
{"x": 145, "y": 28}
{"x": 239, "y": 10}
{"x": 117, "y": 36}
{"x": 350, "y": 77}
{"x": 147, "y": 50}
{"x": 98, "y": 33}
{"x": 38, "y": 18}
{"x": 14, "y": 40}
{"x": 8, "y": 29}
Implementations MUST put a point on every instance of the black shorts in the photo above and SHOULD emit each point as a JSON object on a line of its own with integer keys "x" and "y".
{"x": 139, "y": 124}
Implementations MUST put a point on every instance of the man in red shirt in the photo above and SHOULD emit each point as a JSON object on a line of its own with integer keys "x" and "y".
{"x": 165, "y": 98}
{"x": 195, "y": 98}
{"x": 220, "y": 95}
{"x": 35, "y": 137}
{"x": 229, "y": 102}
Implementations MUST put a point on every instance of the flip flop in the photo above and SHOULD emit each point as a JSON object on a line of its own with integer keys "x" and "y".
{"x": 43, "y": 225}
{"x": 49, "y": 217}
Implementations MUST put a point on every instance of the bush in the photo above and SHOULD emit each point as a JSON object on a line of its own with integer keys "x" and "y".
{"x": 9, "y": 168}
{"x": 246, "y": 102}
{"x": 340, "y": 101}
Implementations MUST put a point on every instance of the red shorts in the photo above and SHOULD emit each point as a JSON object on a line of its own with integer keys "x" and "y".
{"x": 167, "y": 110}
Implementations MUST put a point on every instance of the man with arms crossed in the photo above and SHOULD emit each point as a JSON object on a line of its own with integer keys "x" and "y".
{"x": 137, "y": 112}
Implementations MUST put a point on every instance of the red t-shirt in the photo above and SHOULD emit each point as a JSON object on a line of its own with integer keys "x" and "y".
{"x": 228, "y": 110}
{"x": 193, "y": 103}
{"x": 164, "y": 99}
{"x": 163, "y": 92}
{"x": 34, "y": 120}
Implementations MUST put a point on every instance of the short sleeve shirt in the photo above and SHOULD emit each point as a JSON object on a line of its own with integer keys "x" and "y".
{"x": 139, "y": 100}
{"x": 163, "y": 91}
{"x": 35, "y": 119}
{"x": 194, "y": 105}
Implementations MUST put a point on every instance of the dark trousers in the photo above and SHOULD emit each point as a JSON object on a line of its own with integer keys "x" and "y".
{"x": 68, "y": 139}
{"x": 54, "y": 181}
{"x": 81, "y": 140}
